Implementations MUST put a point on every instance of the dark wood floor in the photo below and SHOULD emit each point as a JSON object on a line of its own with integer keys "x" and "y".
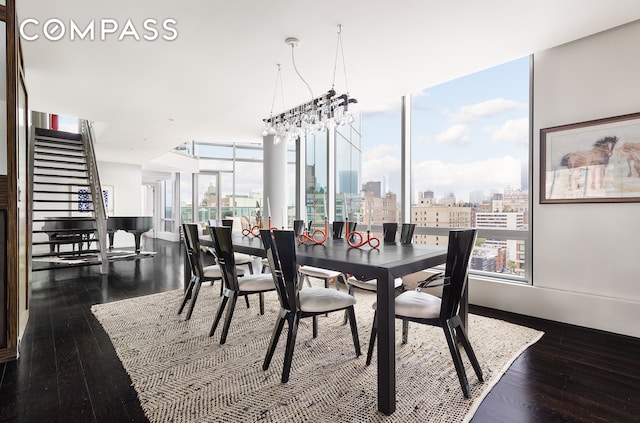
{"x": 69, "y": 372}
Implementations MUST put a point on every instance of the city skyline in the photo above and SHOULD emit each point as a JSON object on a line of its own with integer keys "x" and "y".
{"x": 468, "y": 134}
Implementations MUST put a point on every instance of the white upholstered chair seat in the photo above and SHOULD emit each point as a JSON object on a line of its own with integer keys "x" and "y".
{"x": 318, "y": 300}
{"x": 256, "y": 283}
{"x": 321, "y": 273}
{"x": 318, "y": 272}
{"x": 418, "y": 304}
{"x": 215, "y": 272}
{"x": 371, "y": 284}
{"x": 242, "y": 258}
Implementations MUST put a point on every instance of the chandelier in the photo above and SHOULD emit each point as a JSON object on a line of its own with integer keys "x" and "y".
{"x": 318, "y": 114}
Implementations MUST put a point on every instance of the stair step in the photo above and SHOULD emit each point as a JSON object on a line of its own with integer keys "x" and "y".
{"x": 59, "y": 184}
{"x": 60, "y": 210}
{"x": 73, "y": 162}
{"x": 59, "y": 176}
{"x": 63, "y": 150}
{"x": 53, "y": 154}
{"x": 62, "y": 201}
{"x": 59, "y": 168}
{"x": 41, "y": 191}
{"x": 52, "y": 143}
{"x": 66, "y": 219}
{"x": 57, "y": 139}
{"x": 50, "y": 133}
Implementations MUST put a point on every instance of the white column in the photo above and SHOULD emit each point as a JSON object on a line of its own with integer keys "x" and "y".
{"x": 275, "y": 181}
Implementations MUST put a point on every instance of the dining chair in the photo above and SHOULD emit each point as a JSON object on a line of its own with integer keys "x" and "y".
{"x": 199, "y": 273}
{"x": 419, "y": 307}
{"x": 296, "y": 303}
{"x": 234, "y": 286}
{"x": 406, "y": 233}
{"x": 242, "y": 259}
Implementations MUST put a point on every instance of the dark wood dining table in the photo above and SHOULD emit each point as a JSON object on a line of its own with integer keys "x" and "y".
{"x": 389, "y": 261}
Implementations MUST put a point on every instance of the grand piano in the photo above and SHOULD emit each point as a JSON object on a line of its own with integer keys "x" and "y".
{"x": 69, "y": 230}
{"x": 136, "y": 225}
{"x": 77, "y": 230}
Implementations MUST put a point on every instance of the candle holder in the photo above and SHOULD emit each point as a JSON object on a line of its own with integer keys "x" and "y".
{"x": 272, "y": 228}
{"x": 356, "y": 239}
{"x": 305, "y": 237}
{"x": 254, "y": 230}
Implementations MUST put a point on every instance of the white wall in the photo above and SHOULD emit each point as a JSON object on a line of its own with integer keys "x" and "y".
{"x": 586, "y": 267}
{"x": 126, "y": 180}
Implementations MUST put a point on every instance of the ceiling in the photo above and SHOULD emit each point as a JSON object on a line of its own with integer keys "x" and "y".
{"x": 216, "y": 81}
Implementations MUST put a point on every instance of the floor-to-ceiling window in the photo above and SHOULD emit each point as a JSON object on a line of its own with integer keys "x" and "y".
{"x": 229, "y": 184}
{"x": 470, "y": 164}
{"x": 348, "y": 168}
{"x": 381, "y": 166}
{"x": 316, "y": 176}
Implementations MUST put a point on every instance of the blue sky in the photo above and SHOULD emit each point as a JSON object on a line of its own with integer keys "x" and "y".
{"x": 467, "y": 134}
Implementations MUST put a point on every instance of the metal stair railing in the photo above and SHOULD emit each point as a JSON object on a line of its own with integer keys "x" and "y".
{"x": 100, "y": 211}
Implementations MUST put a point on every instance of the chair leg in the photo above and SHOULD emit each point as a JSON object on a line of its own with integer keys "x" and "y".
{"x": 461, "y": 335}
{"x": 372, "y": 339}
{"x": 291, "y": 343}
{"x": 194, "y": 297}
{"x": 187, "y": 294}
{"x": 250, "y": 266}
{"x": 314, "y": 326}
{"x": 227, "y": 319}
{"x": 354, "y": 330}
{"x": 345, "y": 319}
{"x": 221, "y": 306}
{"x": 261, "y": 299}
{"x": 342, "y": 278}
{"x": 246, "y": 300}
{"x": 405, "y": 331}
{"x": 275, "y": 337}
{"x": 450, "y": 335}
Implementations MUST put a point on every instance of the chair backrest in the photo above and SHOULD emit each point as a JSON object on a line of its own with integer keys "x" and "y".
{"x": 274, "y": 265}
{"x": 406, "y": 233}
{"x": 389, "y": 230}
{"x": 192, "y": 246}
{"x": 283, "y": 247}
{"x": 461, "y": 244}
{"x": 221, "y": 236}
{"x": 228, "y": 223}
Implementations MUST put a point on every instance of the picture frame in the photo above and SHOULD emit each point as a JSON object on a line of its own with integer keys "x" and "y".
{"x": 596, "y": 161}
{"x": 83, "y": 201}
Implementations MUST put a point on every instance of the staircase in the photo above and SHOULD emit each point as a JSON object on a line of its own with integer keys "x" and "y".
{"x": 65, "y": 219}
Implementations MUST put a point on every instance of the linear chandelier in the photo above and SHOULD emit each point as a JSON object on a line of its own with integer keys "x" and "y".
{"x": 318, "y": 114}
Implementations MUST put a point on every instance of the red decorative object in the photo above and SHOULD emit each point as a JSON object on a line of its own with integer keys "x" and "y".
{"x": 356, "y": 240}
{"x": 317, "y": 237}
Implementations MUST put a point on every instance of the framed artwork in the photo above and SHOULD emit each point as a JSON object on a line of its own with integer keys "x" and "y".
{"x": 83, "y": 197}
{"x": 591, "y": 162}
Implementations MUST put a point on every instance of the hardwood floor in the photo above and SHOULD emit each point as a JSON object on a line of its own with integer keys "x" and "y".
{"x": 69, "y": 372}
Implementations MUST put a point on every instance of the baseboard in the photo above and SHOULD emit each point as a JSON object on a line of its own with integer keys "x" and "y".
{"x": 603, "y": 313}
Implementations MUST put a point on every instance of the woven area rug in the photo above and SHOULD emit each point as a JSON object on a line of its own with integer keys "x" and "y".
{"x": 183, "y": 375}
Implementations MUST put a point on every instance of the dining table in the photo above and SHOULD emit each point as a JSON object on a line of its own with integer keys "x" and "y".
{"x": 385, "y": 263}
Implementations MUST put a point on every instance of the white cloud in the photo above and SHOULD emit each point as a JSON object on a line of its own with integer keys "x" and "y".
{"x": 489, "y": 108}
{"x": 462, "y": 178}
{"x": 382, "y": 164}
{"x": 512, "y": 131}
{"x": 454, "y": 134}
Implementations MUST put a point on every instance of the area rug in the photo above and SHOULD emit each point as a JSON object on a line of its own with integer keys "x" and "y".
{"x": 183, "y": 375}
